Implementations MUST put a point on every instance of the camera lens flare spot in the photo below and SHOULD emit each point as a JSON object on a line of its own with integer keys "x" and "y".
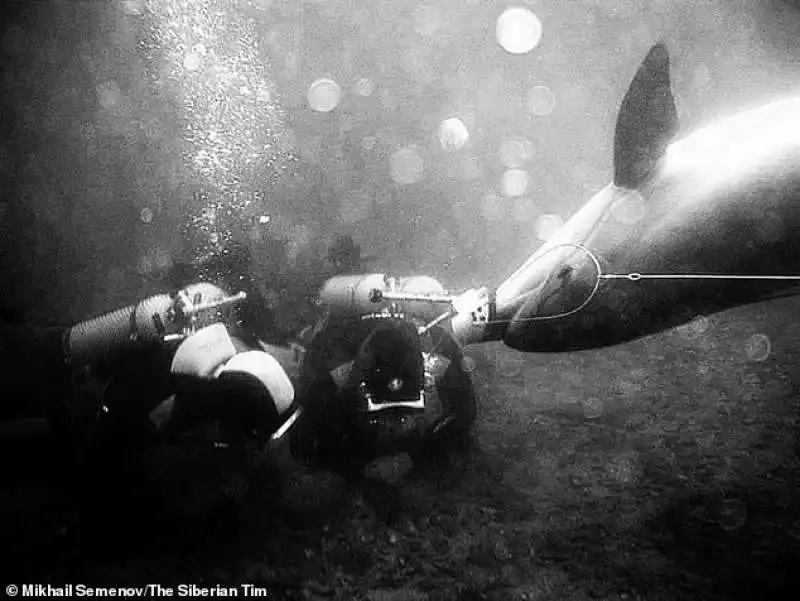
{"x": 518, "y": 30}
{"x": 758, "y": 347}
{"x": 541, "y": 101}
{"x": 324, "y": 95}
{"x": 514, "y": 182}
{"x": 453, "y": 134}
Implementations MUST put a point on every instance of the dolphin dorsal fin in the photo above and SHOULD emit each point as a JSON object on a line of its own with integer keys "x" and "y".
{"x": 647, "y": 120}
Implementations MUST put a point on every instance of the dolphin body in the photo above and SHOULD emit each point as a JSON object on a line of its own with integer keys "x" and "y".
{"x": 671, "y": 237}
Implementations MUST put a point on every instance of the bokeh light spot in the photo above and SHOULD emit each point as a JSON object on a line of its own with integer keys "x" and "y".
{"x": 364, "y": 87}
{"x": 758, "y": 347}
{"x": 453, "y": 134}
{"x": 407, "y": 166}
{"x": 324, "y": 95}
{"x": 592, "y": 408}
{"x": 547, "y": 225}
{"x": 515, "y": 152}
{"x": 541, "y": 101}
{"x": 146, "y": 215}
{"x": 426, "y": 20}
{"x": 518, "y": 30}
{"x": 514, "y": 182}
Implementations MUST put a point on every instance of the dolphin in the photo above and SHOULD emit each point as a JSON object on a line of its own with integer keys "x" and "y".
{"x": 690, "y": 225}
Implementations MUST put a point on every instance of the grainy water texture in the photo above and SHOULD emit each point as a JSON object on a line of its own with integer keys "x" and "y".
{"x": 449, "y": 138}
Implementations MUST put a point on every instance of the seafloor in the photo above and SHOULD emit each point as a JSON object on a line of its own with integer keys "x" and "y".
{"x": 661, "y": 469}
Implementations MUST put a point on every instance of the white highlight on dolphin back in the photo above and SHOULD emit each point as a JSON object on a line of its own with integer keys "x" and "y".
{"x": 737, "y": 145}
